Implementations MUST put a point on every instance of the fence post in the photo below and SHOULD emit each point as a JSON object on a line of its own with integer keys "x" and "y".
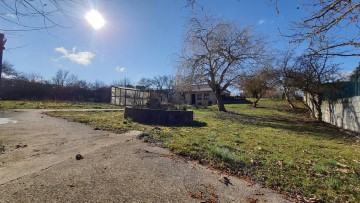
{"x": 2, "y": 44}
{"x": 357, "y": 83}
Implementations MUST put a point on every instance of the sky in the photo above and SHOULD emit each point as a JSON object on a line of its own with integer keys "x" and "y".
{"x": 141, "y": 38}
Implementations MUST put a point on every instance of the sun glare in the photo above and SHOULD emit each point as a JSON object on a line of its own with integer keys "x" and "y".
{"x": 95, "y": 19}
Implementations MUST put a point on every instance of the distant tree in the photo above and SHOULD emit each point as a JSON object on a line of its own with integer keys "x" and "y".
{"x": 125, "y": 82}
{"x": 169, "y": 82}
{"x": 159, "y": 82}
{"x": 72, "y": 80}
{"x": 8, "y": 70}
{"x": 83, "y": 84}
{"x": 259, "y": 82}
{"x": 97, "y": 84}
{"x": 216, "y": 53}
{"x": 182, "y": 86}
{"x": 33, "y": 77}
{"x": 146, "y": 82}
{"x": 60, "y": 77}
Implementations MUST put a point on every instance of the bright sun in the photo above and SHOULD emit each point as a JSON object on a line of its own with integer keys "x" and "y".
{"x": 95, "y": 19}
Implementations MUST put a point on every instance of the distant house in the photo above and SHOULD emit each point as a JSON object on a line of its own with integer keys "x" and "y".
{"x": 201, "y": 95}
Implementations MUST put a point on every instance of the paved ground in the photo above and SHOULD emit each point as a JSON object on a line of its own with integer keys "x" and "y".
{"x": 37, "y": 164}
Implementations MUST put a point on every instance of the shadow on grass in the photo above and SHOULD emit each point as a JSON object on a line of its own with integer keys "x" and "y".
{"x": 195, "y": 124}
{"x": 312, "y": 128}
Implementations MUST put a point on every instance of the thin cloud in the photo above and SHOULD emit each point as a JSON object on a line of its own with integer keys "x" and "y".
{"x": 82, "y": 57}
{"x": 10, "y": 15}
{"x": 261, "y": 21}
{"x": 120, "y": 69}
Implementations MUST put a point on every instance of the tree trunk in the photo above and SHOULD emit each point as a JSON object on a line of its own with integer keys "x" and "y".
{"x": 254, "y": 103}
{"x": 256, "y": 100}
{"x": 318, "y": 108}
{"x": 1, "y": 56}
{"x": 220, "y": 102}
{"x": 288, "y": 99}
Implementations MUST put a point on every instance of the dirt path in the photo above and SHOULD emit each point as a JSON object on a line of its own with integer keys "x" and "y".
{"x": 39, "y": 165}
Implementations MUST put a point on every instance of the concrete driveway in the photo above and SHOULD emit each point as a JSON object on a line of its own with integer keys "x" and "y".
{"x": 37, "y": 164}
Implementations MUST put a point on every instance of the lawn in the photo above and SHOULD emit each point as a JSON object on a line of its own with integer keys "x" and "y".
{"x": 4, "y": 104}
{"x": 270, "y": 145}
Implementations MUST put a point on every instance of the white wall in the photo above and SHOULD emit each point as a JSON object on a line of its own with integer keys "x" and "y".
{"x": 344, "y": 113}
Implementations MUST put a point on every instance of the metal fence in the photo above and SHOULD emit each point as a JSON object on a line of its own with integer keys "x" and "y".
{"x": 123, "y": 96}
{"x": 345, "y": 89}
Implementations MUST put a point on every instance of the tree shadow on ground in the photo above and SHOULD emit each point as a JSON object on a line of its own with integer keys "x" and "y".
{"x": 195, "y": 124}
{"x": 299, "y": 126}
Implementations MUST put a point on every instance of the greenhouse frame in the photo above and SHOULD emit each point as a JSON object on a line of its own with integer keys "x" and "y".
{"x": 124, "y": 96}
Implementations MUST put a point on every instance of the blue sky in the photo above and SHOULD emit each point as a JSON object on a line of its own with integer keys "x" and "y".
{"x": 140, "y": 37}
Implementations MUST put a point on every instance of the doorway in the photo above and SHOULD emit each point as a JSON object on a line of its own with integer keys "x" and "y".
{"x": 193, "y": 99}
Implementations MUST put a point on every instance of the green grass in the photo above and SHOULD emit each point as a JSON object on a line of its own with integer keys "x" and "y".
{"x": 4, "y": 104}
{"x": 270, "y": 145}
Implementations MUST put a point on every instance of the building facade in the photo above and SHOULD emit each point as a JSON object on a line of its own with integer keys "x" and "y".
{"x": 201, "y": 95}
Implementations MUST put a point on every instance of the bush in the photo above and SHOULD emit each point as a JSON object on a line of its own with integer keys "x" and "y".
{"x": 153, "y": 103}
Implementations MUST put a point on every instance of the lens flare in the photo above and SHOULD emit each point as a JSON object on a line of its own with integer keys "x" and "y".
{"x": 95, "y": 19}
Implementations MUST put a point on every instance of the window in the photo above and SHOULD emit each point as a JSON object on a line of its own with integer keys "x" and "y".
{"x": 199, "y": 96}
{"x": 206, "y": 96}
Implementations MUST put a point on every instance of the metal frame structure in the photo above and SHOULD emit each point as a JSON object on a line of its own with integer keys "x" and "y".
{"x": 124, "y": 96}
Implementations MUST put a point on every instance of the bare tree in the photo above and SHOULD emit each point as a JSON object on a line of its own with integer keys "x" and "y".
{"x": 169, "y": 82}
{"x": 97, "y": 85}
{"x": 72, "y": 80}
{"x": 8, "y": 70}
{"x": 147, "y": 83}
{"x": 125, "y": 82}
{"x": 216, "y": 52}
{"x": 259, "y": 82}
{"x": 331, "y": 27}
{"x": 27, "y": 15}
{"x": 284, "y": 63}
{"x": 181, "y": 87}
{"x": 315, "y": 76}
{"x": 33, "y": 77}
{"x": 60, "y": 77}
{"x": 159, "y": 82}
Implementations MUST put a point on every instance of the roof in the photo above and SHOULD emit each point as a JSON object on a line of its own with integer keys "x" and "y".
{"x": 203, "y": 88}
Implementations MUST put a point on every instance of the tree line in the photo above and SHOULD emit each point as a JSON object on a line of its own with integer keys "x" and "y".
{"x": 67, "y": 86}
{"x": 62, "y": 86}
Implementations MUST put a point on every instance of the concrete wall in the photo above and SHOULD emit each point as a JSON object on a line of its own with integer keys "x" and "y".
{"x": 344, "y": 113}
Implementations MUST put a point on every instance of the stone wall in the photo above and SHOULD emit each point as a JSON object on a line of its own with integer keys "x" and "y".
{"x": 344, "y": 113}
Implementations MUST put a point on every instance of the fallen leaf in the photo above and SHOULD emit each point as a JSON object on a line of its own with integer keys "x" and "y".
{"x": 346, "y": 171}
{"x": 342, "y": 165}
